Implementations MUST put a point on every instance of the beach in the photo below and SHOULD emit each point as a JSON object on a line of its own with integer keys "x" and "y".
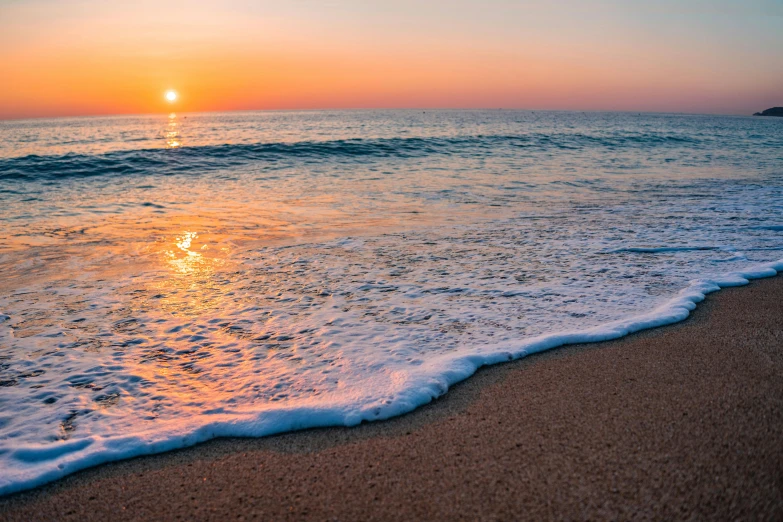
{"x": 680, "y": 422}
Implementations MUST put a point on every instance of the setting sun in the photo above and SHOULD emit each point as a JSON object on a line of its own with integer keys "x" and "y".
{"x": 171, "y": 96}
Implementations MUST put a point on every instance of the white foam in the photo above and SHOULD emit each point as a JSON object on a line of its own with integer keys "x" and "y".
{"x": 29, "y": 465}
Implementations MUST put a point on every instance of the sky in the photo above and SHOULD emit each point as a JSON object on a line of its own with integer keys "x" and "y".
{"x": 91, "y": 57}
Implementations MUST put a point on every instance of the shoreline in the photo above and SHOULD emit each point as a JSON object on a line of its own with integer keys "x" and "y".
{"x": 557, "y": 385}
{"x": 452, "y": 372}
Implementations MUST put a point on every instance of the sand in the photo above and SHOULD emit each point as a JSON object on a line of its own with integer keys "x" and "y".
{"x": 683, "y": 422}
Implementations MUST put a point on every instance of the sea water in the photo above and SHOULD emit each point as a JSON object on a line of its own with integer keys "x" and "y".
{"x": 168, "y": 279}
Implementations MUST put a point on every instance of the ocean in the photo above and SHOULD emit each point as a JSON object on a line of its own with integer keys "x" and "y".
{"x": 168, "y": 279}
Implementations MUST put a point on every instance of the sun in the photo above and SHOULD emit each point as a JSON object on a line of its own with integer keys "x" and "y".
{"x": 171, "y": 96}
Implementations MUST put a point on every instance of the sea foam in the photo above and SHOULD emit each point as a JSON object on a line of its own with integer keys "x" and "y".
{"x": 32, "y": 465}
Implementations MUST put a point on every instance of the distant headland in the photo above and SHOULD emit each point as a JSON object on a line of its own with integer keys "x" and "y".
{"x": 774, "y": 111}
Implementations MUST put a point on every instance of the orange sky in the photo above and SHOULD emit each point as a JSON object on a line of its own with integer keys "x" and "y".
{"x": 88, "y": 57}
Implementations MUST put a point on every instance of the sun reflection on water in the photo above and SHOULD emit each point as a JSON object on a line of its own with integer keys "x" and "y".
{"x": 186, "y": 261}
{"x": 172, "y": 132}
{"x": 192, "y": 285}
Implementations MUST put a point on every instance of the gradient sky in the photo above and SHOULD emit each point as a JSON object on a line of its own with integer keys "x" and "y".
{"x": 84, "y": 57}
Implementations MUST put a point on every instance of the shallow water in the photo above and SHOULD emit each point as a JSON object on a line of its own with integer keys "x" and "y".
{"x": 167, "y": 279}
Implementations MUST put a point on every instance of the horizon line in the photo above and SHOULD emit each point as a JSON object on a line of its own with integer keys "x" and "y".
{"x": 510, "y": 109}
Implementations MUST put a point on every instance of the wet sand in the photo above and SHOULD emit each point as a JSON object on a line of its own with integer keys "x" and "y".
{"x": 682, "y": 422}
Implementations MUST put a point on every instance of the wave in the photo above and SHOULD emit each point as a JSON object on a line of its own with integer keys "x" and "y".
{"x": 660, "y": 250}
{"x": 215, "y": 157}
{"x": 34, "y": 465}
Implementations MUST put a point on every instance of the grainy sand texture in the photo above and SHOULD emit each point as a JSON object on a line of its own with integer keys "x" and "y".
{"x": 683, "y": 422}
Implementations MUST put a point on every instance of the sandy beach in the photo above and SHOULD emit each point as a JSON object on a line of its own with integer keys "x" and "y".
{"x": 682, "y": 422}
